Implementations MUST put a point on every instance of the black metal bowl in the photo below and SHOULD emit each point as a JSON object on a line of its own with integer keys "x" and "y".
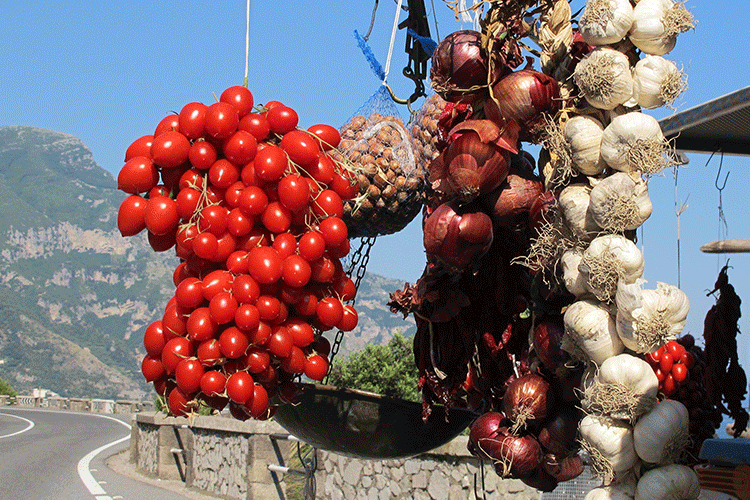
{"x": 366, "y": 425}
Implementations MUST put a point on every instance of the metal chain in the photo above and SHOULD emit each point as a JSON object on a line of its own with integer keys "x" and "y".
{"x": 358, "y": 269}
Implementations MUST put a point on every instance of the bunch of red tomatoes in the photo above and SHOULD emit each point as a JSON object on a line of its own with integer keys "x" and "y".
{"x": 253, "y": 207}
{"x": 672, "y": 363}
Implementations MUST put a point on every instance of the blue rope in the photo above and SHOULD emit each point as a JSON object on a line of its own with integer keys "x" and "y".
{"x": 367, "y": 51}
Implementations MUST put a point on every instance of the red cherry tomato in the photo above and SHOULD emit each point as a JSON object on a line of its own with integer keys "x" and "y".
{"x": 316, "y": 367}
{"x": 264, "y": 265}
{"x": 171, "y": 122}
{"x": 239, "y": 387}
{"x": 131, "y": 215}
{"x": 192, "y": 120}
{"x": 241, "y": 147}
{"x": 281, "y": 119}
{"x": 675, "y": 349}
{"x": 240, "y": 97}
{"x": 138, "y": 175}
{"x": 188, "y": 375}
{"x": 680, "y": 373}
{"x": 202, "y": 155}
{"x": 170, "y": 149}
{"x": 201, "y": 325}
{"x": 256, "y": 124}
{"x": 281, "y": 342}
{"x": 152, "y": 367}
{"x": 688, "y": 359}
{"x": 665, "y": 363}
{"x": 294, "y": 192}
{"x": 669, "y": 386}
{"x": 270, "y": 163}
{"x": 213, "y": 383}
{"x": 233, "y": 343}
{"x": 139, "y": 147}
{"x": 330, "y": 311}
{"x": 161, "y": 215}
{"x": 327, "y": 135}
{"x": 222, "y": 120}
{"x": 302, "y": 147}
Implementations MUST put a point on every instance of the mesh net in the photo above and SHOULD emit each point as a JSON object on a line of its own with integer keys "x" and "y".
{"x": 392, "y": 180}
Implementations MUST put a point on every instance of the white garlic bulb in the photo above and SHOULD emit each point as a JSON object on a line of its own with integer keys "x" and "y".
{"x": 620, "y": 202}
{"x": 656, "y": 24}
{"x": 657, "y": 82}
{"x": 574, "y": 281}
{"x": 609, "y": 444}
{"x": 590, "y": 332}
{"x": 574, "y": 202}
{"x": 605, "y": 78}
{"x": 605, "y": 21}
{"x": 648, "y": 319}
{"x": 583, "y": 135}
{"x": 634, "y": 142}
{"x": 609, "y": 259}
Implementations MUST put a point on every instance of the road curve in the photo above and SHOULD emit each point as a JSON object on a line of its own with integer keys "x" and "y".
{"x": 61, "y": 455}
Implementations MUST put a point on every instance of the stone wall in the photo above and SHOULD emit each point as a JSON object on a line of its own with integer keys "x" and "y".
{"x": 231, "y": 459}
{"x": 446, "y": 473}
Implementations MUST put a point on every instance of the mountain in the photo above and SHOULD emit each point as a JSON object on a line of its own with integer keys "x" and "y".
{"x": 75, "y": 296}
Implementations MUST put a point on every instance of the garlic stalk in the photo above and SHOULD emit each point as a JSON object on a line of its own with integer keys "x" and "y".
{"x": 605, "y": 21}
{"x": 604, "y": 77}
{"x": 609, "y": 445}
{"x": 609, "y": 259}
{"x": 583, "y": 134}
{"x": 634, "y": 142}
{"x": 657, "y": 82}
{"x": 620, "y": 202}
{"x": 574, "y": 203}
{"x": 662, "y": 435}
{"x": 648, "y": 319}
{"x": 656, "y": 24}
{"x": 671, "y": 482}
{"x": 590, "y": 332}
{"x": 625, "y": 388}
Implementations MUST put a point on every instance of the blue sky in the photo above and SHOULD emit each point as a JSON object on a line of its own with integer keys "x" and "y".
{"x": 108, "y": 71}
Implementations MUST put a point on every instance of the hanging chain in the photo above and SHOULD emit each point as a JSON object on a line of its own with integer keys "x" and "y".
{"x": 357, "y": 270}
{"x": 723, "y": 229}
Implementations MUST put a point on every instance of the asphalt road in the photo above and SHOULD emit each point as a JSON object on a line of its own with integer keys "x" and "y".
{"x": 62, "y": 456}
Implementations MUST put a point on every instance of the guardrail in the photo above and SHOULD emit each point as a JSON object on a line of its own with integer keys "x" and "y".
{"x": 91, "y": 405}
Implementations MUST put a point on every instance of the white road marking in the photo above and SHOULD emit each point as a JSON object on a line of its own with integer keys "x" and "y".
{"x": 29, "y": 427}
{"x": 84, "y": 471}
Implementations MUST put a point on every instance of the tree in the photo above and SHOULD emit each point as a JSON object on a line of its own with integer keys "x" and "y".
{"x": 383, "y": 369}
{"x": 6, "y": 389}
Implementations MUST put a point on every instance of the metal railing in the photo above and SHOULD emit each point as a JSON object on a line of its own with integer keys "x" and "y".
{"x": 92, "y": 405}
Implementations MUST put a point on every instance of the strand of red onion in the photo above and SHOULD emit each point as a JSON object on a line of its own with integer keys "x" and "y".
{"x": 527, "y": 400}
{"x": 455, "y": 236}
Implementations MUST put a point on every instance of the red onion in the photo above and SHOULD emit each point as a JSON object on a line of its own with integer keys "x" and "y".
{"x": 562, "y": 468}
{"x": 559, "y": 434}
{"x": 490, "y": 426}
{"x": 516, "y": 456}
{"x": 526, "y": 399}
{"x": 456, "y": 236}
{"x": 513, "y": 199}
{"x": 524, "y": 96}
{"x": 540, "y": 208}
{"x": 540, "y": 480}
{"x": 547, "y": 340}
{"x": 476, "y": 162}
{"x": 459, "y": 71}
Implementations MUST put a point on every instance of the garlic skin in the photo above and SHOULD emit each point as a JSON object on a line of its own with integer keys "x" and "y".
{"x": 583, "y": 135}
{"x": 574, "y": 281}
{"x": 622, "y": 490}
{"x": 605, "y": 78}
{"x": 609, "y": 260}
{"x": 610, "y": 446}
{"x": 662, "y": 435}
{"x": 590, "y": 332}
{"x": 574, "y": 202}
{"x": 670, "y": 482}
{"x": 625, "y": 388}
{"x": 606, "y": 21}
{"x": 656, "y": 24}
{"x": 648, "y": 319}
{"x": 634, "y": 142}
{"x": 657, "y": 82}
{"x": 620, "y": 202}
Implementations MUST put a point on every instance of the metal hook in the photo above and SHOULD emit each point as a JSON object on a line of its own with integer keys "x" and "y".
{"x": 718, "y": 172}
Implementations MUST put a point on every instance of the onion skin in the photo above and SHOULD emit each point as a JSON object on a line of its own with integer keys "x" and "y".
{"x": 456, "y": 237}
{"x": 459, "y": 71}
{"x": 473, "y": 164}
{"x": 540, "y": 480}
{"x": 510, "y": 203}
{"x": 527, "y": 398}
{"x": 562, "y": 468}
{"x": 491, "y": 426}
{"x": 516, "y": 456}
{"x": 559, "y": 434}
{"x": 547, "y": 340}
{"x": 526, "y": 97}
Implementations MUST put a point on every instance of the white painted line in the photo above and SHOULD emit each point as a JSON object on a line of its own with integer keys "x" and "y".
{"x": 84, "y": 471}
{"x": 29, "y": 427}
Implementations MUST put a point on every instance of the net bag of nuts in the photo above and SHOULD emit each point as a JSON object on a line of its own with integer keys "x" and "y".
{"x": 429, "y": 138}
{"x": 392, "y": 179}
